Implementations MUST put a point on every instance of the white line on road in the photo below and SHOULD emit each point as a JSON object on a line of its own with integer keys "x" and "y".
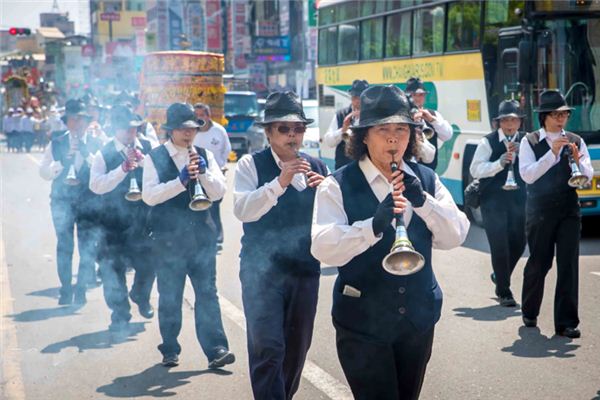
{"x": 595, "y": 273}
{"x": 35, "y": 160}
{"x": 319, "y": 378}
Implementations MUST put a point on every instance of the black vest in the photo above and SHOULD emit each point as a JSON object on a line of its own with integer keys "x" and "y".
{"x": 60, "y": 149}
{"x": 552, "y": 190}
{"x": 492, "y": 186}
{"x": 386, "y": 299}
{"x": 341, "y": 158}
{"x": 117, "y": 213}
{"x": 174, "y": 217}
{"x": 434, "y": 142}
{"x": 279, "y": 242}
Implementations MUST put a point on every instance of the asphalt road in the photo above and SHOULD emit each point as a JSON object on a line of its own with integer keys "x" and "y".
{"x": 481, "y": 351}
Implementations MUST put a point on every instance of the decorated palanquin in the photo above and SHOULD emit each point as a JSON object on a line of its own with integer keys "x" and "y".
{"x": 182, "y": 76}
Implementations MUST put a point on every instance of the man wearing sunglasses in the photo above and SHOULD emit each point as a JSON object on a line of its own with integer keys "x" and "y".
{"x": 553, "y": 218}
{"x": 274, "y": 192}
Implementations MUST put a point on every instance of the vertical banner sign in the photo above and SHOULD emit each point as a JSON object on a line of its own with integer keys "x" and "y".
{"x": 195, "y": 23}
{"x": 213, "y": 26}
{"x": 175, "y": 24}
{"x": 284, "y": 17}
{"x": 240, "y": 33}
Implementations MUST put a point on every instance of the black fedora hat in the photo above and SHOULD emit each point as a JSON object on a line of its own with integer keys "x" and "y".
{"x": 121, "y": 117}
{"x": 552, "y": 100}
{"x": 383, "y": 105}
{"x": 284, "y": 107}
{"x": 415, "y": 85}
{"x": 509, "y": 108}
{"x": 75, "y": 108}
{"x": 358, "y": 86}
{"x": 181, "y": 116}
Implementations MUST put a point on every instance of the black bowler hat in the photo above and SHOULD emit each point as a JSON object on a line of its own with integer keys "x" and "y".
{"x": 552, "y": 100}
{"x": 181, "y": 116}
{"x": 358, "y": 86}
{"x": 121, "y": 117}
{"x": 415, "y": 85}
{"x": 284, "y": 107}
{"x": 74, "y": 107}
{"x": 509, "y": 108}
{"x": 383, "y": 105}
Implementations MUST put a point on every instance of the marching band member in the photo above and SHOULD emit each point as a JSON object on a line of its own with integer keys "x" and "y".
{"x": 552, "y": 213}
{"x": 502, "y": 206}
{"x": 66, "y": 163}
{"x": 384, "y": 323}
{"x": 442, "y": 130}
{"x": 185, "y": 240}
{"x": 339, "y": 129}
{"x": 212, "y": 136}
{"x": 273, "y": 197}
{"x": 126, "y": 243}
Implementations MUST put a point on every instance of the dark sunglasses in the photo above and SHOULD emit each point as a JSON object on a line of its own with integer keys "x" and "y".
{"x": 284, "y": 129}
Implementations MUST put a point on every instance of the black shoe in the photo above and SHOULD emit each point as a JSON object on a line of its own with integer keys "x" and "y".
{"x": 219, "y": 247}
{"x": 80, "y": 298}
{"x": 572, "y": 333}
{"x": 65, "y": 299}
{"x": 530, "y": 322}
{"x": 222, "y": 358}
{"x": 170, "y": 360}
{"x": 146, "y": 310}
{"x": 508, "y": 301}
{"x": 493, "y": 277}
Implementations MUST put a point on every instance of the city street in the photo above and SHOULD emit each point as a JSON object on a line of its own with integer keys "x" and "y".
{"x": 481, "y": 351}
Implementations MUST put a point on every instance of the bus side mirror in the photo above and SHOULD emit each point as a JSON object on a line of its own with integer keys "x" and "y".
{"x": 525, "y": 61}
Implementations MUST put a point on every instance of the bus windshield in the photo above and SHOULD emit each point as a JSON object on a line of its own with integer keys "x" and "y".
{"x": 241, "y": 104}
{"x": 568, "y": 59}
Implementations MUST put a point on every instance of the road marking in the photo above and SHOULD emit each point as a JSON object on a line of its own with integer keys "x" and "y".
{"x": 35, "y": 160}
{"x": 319, "y": 378}
{"x": 595, "y": 273}
{"x": 11, "y": 387}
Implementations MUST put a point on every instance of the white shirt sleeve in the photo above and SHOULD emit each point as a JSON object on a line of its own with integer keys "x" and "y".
{"x": 50, "y": 169}
{"x": 585, "y": 162}
{"x": 442, "y": 127}
{"x": 226, "y": 148}
{"x": 154, "y": 192}
{"x": 251, "y": 202}
{"x": 481, "y": 166}
{"x": 530, "y": 169}
{"x": 426, "y": 152}
{"x": 334, "y": 242}
{"x": 333, "y": 136}
{"x": 213, "y": 180}
{"x": 101, "y": 181}
{"x": 151, "y": 135}
{"x": 448, "y": 225}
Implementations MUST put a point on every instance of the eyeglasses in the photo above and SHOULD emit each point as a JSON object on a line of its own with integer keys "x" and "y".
{"x": 284, "y": 129}
{"x": 560, "y": 114}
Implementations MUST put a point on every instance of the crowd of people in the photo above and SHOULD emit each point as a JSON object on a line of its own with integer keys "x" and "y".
{"x": 27, "y": 127}
{"x": 153, "y": 205}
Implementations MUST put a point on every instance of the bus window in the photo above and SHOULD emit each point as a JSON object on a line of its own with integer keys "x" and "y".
{"x": 327, "y": 45}
{"x": 463, "y": 26}
{"x": 371, "y": 41}
{"x": 397, "y": 4}
{"x": 347, "y": 44}
{"x": 397, "y": 35}
{"x": 509, "y": 60}
{"x": 428, "y": 31}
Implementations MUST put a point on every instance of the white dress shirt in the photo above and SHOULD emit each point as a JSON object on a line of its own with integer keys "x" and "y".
{"x": 333, "y": 136}
{"x": 216, "y": 140}
{"x": 481, "y": 166}
{"x": 426, "y": 152}
{"x": 334, "y": 242}
{"x": 251, "y": 202}
{"x": 442, "y": 128}
{"x": 50, "y": 169}
{"x": 154, "y": 192}
{"x": 103, "y": 181}
{"x": 532, "y": 170}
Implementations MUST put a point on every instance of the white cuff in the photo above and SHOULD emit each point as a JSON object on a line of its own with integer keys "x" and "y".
{"x": 366, "y": 228}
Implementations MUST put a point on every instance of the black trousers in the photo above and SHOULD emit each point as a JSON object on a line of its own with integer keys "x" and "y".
{"x": 504, "y": 224}
{"x": 119, "y": 253}
{"x": 558, "y": 228}
{"x": 280, "y": 314}
{"x": 377, "y": 370}
{"x": 65, "y": 216}
{"x": 176, "y": 260}
{"x": 215, "y": 213}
